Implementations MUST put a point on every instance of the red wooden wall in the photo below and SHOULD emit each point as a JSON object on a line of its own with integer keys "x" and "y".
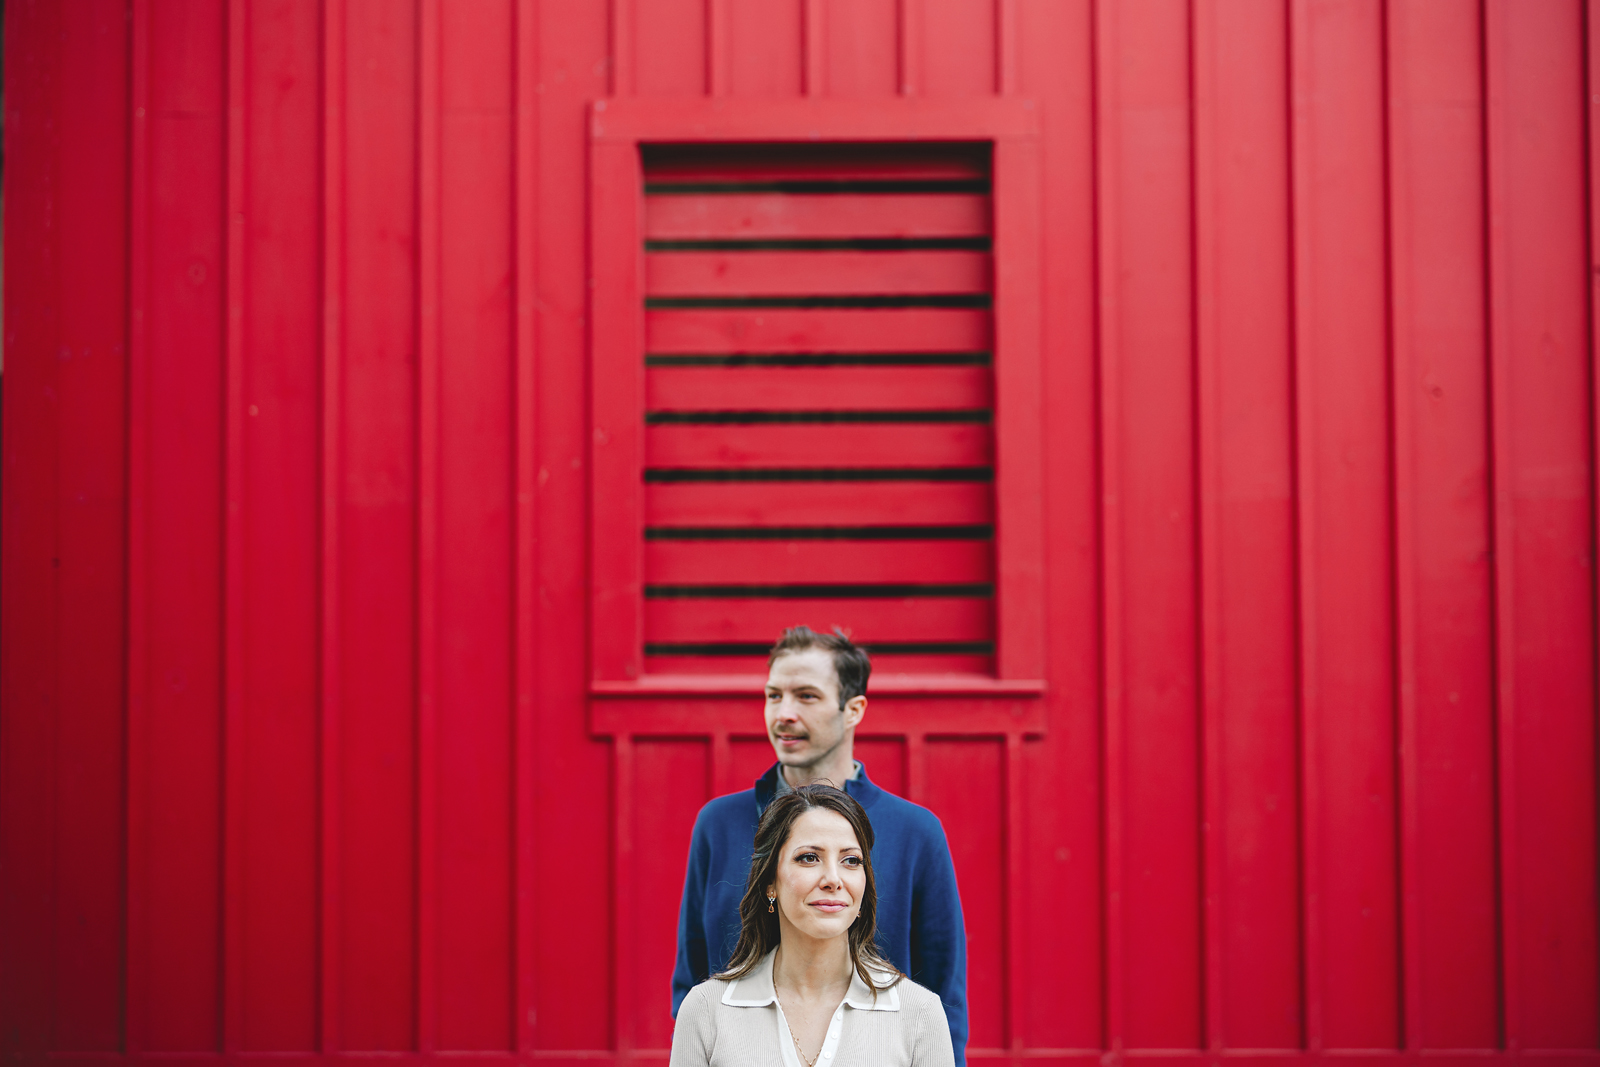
{"x": 301, "y": 751}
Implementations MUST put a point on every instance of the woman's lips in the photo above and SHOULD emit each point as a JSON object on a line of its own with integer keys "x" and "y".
{"x": 830, "y": 906}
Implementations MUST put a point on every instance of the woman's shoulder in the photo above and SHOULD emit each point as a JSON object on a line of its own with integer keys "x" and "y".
{"x": 915, "y": 997}
{"x": 706, "y": 994}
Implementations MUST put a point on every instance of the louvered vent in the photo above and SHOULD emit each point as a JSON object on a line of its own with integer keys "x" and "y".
{"x": 819, "y": 441}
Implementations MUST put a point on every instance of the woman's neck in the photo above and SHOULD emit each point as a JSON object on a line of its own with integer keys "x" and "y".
{"x": 812, "y": 968}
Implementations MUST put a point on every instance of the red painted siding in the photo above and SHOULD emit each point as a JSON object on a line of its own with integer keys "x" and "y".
{"x": 1282, "y": 740}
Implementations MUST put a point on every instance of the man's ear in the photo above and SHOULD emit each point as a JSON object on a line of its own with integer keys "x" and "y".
{"x": 855, "y": 709}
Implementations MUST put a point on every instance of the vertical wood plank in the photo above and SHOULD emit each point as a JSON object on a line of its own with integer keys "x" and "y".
{"x": 764, "y": 50}
{"x": 621, "y": 60}
{"x": 1017, "y": 957}
{"x": 525, "y": 463}
{"x": 330, "y": 933}
{"x": 959, "y": 47}
{"x": 671, "y": 779}
{"x": 477, "y": 384}
{"x": 671, "y": 53}
{"x": 812, "y": 41}
{"x": 1005, "y": 52}
{"x": 429, "y": 295}
{"x": 63, "y": 669}
{"x": 1208, "y": 476}
{"x": 717, "y": 45}
{"x": 1539, "y": 337}
{"x": 1148, "y": 370}
{"x": 1441, "y": 521}
{"x": 624, "y": 898}
{"x": 377, "y": 500}
{"x": 275, "y": 507}
{"x": 908, "y": 46}
{"x": 1108, "y": 36}
{"x": 32, "y": 537}
{"x": 182, "y": 479}
{"x": 1342, "y": 442}
{"x": 1246, "y": 549}
{"x": 1591, "y": 25}
{"x": 572, "y": 788}
{"x": 1019, "y": 413}
{"x": 719, "y": 767}
{"x": 1063, "y": 1001}
{"x": 233, "y": 537}
{"x": 967, "y": 791}
{"x": 917, "y": 768}
{"x": 617, "y": 449}
{"x": 861, "y": 44}
{"x": 136, "y": 1027}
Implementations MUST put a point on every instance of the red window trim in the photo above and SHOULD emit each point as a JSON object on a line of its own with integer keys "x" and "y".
{"x": 616, "y": 284}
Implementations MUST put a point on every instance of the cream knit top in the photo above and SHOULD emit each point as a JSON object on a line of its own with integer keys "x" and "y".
{"x": 741, "y": 1024}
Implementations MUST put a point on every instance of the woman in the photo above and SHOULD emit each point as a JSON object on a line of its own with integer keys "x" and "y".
{"x": 806, "y": 987}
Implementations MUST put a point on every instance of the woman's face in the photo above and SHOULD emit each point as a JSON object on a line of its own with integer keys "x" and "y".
{"x": 821, "y": 876}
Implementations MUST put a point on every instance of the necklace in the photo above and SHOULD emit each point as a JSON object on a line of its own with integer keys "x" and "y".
{"x": 797, "y": 1049}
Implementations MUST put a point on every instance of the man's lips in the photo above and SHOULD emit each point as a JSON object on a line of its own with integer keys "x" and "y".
{"x": 790, "y": 739}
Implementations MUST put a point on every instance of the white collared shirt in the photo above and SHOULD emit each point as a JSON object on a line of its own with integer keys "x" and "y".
{"x": 740, "y": 1023}
{"x": 756, "y": 990}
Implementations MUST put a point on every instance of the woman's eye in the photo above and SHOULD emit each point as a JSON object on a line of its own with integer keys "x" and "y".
{"x": 806, "y": 857}
{"x": 854, "y": 861}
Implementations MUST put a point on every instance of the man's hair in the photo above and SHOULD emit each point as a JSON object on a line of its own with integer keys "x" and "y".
{"x": 850, "y": 661}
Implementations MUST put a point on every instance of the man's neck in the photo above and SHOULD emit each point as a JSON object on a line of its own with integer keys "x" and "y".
{"x": 835, "y": 770}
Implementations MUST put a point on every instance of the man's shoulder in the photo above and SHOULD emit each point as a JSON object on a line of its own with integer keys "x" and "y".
{"x": 732, "y": 811}
{"x": 740, "y": 803}
{"x": 905, "y": 814}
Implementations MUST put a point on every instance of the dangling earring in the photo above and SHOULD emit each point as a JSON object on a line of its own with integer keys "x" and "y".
{"x": 769, "y": 904}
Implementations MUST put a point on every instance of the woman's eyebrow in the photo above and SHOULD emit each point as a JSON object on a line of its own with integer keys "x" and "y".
{"x": 824, "y": 848}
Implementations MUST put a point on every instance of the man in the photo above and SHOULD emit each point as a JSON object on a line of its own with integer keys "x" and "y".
{"x": 816, "y": 697}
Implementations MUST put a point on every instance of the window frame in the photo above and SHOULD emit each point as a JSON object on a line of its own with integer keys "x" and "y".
{"x": 617, "y": 128}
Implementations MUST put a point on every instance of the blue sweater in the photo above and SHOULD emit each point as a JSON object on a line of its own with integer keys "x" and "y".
{"x": 919, "y": 911}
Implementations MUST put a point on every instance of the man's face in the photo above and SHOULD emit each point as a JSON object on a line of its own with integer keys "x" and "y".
{"x": 804, "y": 721}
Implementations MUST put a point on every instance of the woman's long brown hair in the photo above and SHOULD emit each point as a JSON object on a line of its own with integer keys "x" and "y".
{"x": 758, "y": 929}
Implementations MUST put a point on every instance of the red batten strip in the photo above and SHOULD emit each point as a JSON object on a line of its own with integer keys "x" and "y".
{"x": 1501, "y": 465}
{"x": 1208, "y": 223}
{"x": 136, "y": 965}
{"x": 812, "y": 58}
{"x": 330, "y": 753}
{"x": 234, "y": 893}
{"x": 525, "y": 464}
{"x": 429, "y": 295}
{"x": 1311, "y": 796}
{"x": 1108, "y": 40}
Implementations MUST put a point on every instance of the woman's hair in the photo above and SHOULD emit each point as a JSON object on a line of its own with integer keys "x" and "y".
{"x": 758, "y": 928}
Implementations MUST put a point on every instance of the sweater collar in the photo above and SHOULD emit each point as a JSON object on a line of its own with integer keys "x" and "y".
{"x": 755, "y": 990}
{"x": 861, "y": 787}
